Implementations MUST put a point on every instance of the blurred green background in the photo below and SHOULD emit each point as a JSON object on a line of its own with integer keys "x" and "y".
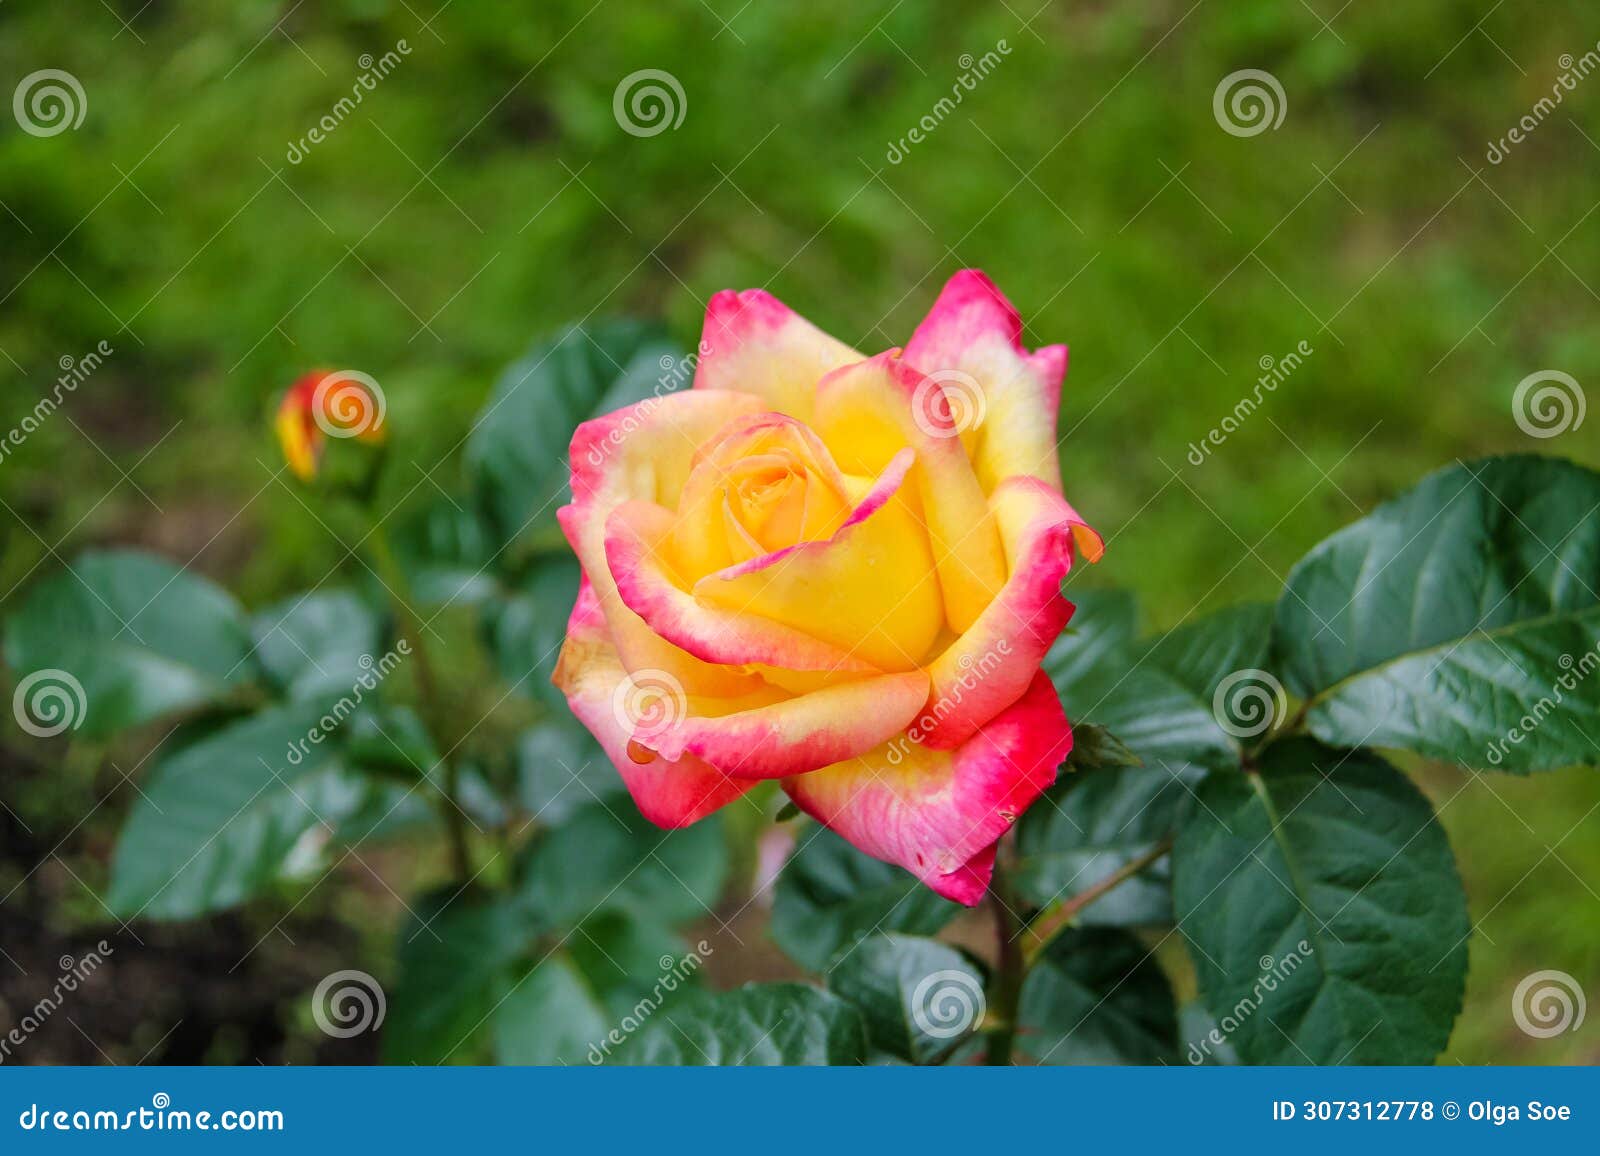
{"x": 483, "y": 193}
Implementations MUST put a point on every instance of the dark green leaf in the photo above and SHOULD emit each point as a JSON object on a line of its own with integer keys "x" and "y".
{"x": 1095, "y": 747}
{"x": 518, "y": 449}
{"x": 1097, "y": 996}
{"x": 1322, "y": 903}
{"x": 321, "y": 643}
{"x": 457, "y": 954}
{"x": 1184, "y": 696}
{"x": 608, "y": 856}
{"x": 918, "y": 997}
{"x": 219, "y": 819}
{"x": 525, "y": 628}
{"x": 447, "y": 553}
{"x": 1460, "y": 621}
{"x": 1103, "y": 621}
{"x": 757, "y": 1025}
{"x": 1089, "y": 825}
{"x": 830, "y": 895}
{"x": 392, "y": 741}
{"x": 561, "y": 769}
{"x": 608, "y": 977}
{"x": 140, "y": 636}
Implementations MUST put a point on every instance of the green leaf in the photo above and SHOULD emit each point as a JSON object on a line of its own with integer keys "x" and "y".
{"x": 917, "y": 997}
{"x": 1103, "y": 621}
{"x": 141, "y": 637}
{"x": 610, "y": 974}
{"x": 1095, "y": 748}
{"x": 1097, "y": 996}
{"x": 561, "y": 769}
{"x": 608, "y": 856}
{"x": 1460, "y": 621}
{"x": 1184, "y": 696}
{"x": 1324, "y": 911}
{"x": 1089, "y": 825}
{"x": 830, "y": 895}
{"x": 447, "y": 552}
{"x": 391, "y": 740}
{"x": 456, "y": 956}
{"x": 525, "y": 629}
{"x": 220, "y": 818}
{"x": 321, "y": 643}
{"x": 756, "y": 1025}
{"x": 517, "y": 451}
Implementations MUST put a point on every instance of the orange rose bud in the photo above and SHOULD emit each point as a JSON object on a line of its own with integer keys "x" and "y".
{"x": 327, "y": 403}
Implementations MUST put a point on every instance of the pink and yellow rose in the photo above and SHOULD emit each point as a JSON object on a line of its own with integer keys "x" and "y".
{"x": 837, "y": 571}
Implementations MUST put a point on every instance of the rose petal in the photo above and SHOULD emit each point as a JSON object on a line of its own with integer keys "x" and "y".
{"x": 939, "y": 814}
{"x": 991, "y": 665}
{"x": 670, "y": 793}
{"x": 974, "y": 330}
{"x": 869, "y": 589}
{"x": 754, "y": 343}
{"x": 867, "y": 413}
{"x": 637, "y": 544}
{"x": 645, "y": 452}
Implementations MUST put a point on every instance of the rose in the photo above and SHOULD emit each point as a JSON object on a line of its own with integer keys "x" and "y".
{"x": 836, "y": 571}
{"x": 327, "y": 403}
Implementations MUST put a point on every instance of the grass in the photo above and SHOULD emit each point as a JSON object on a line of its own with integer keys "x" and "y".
{"x": 482, "y": 193}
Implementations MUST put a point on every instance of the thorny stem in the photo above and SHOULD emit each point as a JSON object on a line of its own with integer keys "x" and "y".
{"x": 410, "y": 629}
{"x": 1056, "y": 918}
